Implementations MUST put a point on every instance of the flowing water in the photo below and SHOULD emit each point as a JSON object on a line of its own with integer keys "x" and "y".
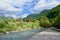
{"x": 20, "y": 35}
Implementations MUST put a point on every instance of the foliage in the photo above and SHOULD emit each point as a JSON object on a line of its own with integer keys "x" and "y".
{"x": 57, "y": 21}
{"x": 18, "y": 24}
{"x": 46, "y": 18}
{"x": 44, "y": 22}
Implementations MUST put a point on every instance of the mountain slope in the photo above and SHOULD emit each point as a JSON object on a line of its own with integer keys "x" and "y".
{"x": 53, "y": 12}
{"x": 37, "y": 16}
{"x": 48, "y": 13}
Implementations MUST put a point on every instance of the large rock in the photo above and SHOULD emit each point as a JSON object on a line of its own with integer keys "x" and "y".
{"x": 47, "y": 35}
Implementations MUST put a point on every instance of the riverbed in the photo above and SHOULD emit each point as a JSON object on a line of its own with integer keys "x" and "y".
{"x": 20, "y": 35}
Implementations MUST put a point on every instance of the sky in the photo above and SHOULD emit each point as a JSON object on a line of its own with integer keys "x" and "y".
{"x": 22, "y": 8}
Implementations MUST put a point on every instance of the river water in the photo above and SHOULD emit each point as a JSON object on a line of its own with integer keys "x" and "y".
{"x": 20, "y": 35}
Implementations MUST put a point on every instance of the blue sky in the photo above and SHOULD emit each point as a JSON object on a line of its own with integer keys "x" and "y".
{"x": 22, "y": 8}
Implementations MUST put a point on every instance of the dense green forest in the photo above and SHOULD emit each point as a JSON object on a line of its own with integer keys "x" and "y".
{"x": 46, "y": 18}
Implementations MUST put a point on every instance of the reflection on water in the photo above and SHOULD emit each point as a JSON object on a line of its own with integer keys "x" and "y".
{"x": 20, "y": 35}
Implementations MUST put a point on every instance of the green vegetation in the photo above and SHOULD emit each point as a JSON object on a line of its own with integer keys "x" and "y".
{"x": 57, "y": 22}
{"x": 10, "y": 24}
{"x": 44, "y": 22}
{"x": 47, "y": 18}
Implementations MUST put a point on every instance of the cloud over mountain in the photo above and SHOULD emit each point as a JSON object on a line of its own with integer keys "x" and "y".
{"x": 46, "y": 4}
{"x": 18, "y": 8}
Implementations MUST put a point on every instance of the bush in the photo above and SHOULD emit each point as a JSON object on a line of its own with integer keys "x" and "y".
{"x": 44, "y": 22}
{"x": 12, "y": 25}
{"x": 57, "y": 22}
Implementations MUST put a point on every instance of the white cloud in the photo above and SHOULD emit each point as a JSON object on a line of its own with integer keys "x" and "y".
{"x": 42, "y": 4}
{"x": 8, "y": 6}
{"x": 14, "y": 16}
{"x": 24, "y": 15}
{"x": 6, "y": 15}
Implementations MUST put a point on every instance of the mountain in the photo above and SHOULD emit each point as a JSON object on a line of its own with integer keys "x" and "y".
{"x": 49, "y": 13}
{"x": 37, "y": 16}
{"x": 53, "y": 12}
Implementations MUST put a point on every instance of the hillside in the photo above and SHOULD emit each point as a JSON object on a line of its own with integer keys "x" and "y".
{"x": 37, "y": 16}
{"x": 53, "y": 12}
{"x": 48, "y": 13}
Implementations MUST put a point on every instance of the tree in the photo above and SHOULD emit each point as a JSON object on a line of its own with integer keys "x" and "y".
{"x": 57, "y": 22}
{"x": 19, "y": 19}
{"x": 44, "y": 22}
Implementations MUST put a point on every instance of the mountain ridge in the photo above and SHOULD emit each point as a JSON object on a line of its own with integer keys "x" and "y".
{"x": 48, "y": 13}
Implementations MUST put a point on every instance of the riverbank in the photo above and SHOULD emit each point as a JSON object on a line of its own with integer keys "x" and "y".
{"x": 21, "y": 31}
{"x": 25, "y": 35}
{"x": 47, "y": 34}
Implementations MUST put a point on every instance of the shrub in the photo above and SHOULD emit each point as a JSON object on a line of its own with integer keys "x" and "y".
{"x": 44, "y": 22}
{"x": 57, "y": 22}
{"x": 12, "y": 25}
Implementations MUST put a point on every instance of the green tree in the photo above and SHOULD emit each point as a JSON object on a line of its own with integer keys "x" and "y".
{"x": 57, "y": 21}
{"x": 19, "y": 19}
{"x": 44, "y": 22}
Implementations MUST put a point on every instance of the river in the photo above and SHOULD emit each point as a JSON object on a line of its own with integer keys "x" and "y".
{"x": 20, "y": 35}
